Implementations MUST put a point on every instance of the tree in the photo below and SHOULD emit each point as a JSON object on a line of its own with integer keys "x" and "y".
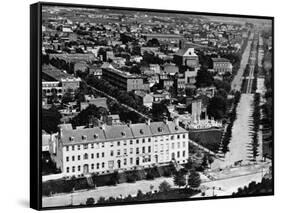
{"x": 86, "y": 116}
{"x": 194, "y": 180}
{"x": 140, "y": 194}
{"x": 101, "y": 200}
{"x": 217, "y": 107}
{"x": 114, "y": 178}
{"x": 50, "y": 119}
{"x": 179, "y": 179}
{"x": 204, "y": 79}
{"x": 90, "y": 201}
{"x": 189, "y": 165}
{"x": 159, "y": 111}
{"x": 205, "y": 162}
{"x": 153, "y": 43}
{"x": 164, "y": 186}
{"x": 68, "y": 96}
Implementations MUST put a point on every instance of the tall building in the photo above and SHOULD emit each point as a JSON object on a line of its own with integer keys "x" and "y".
{"x": 105, "y": 149}
{"x": 121, "y": 79}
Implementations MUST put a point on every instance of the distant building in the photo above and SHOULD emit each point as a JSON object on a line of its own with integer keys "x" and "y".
{"x": 170, "y": 68}
{"x": 91, "y": 100}
{"x": 186, "y": 79}
{"x": 148, "y": 100}
{"x": 207, "y": 91}
{"x": 52, "y": 75}
{"x": 155, "y": 68}
{"x": 96, "y": 71}
{"x": 106, "y": 149}
{"x": 160, "y": 96}
{"x": 222, "y": 65}
{"x": 112, "y": 120}
{"x": 166, "y": 38}
{"x": 121, "y": 79}
{"x": 187, "y": 57}
{"x": 50, "y": 88}
{"x": 196, "y": 110}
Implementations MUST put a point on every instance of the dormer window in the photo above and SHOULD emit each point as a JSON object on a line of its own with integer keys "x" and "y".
{"x": 141, "y": 132}
{"x": 71, "y": 138}
{"x": 96, "y": 136}
{"x": 176, "y": 128}
{"x": 123, "y": 134}
{"x": 160, "y": 129}
{"x": 84, "y": 137}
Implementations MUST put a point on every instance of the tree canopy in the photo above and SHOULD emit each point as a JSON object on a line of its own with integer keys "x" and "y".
{"x": 179, "y": 178}
{"x": 50, "y": 119}
{"x": 204, "y": 78}
{"x": 194, "y": 180}
{"x": 217, "y": 107}
{"x": 85, "y": 116}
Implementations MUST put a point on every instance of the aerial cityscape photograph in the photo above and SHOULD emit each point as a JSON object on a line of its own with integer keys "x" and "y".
{"x": 144, "y": 106}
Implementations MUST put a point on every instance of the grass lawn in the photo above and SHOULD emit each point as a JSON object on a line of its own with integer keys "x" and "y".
{"x": 207, "y": 138}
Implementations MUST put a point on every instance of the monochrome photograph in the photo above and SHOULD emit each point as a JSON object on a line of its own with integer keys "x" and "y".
{"x": 146, "y": 106}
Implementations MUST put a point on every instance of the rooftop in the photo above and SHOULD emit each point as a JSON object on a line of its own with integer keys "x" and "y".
{"x": 55, "y": 73}
{"x": 107, "y": 133}
{"x": 220, "y": 60}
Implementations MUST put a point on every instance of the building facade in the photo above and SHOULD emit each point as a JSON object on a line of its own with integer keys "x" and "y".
{"x": 123, "y": 80}
{"x": 106, "y": 149}
{"x": 187, "y": 57}
{"x": 222, "y": 65}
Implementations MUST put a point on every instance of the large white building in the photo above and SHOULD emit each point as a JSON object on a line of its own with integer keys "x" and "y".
{"x": 124, "y": 147}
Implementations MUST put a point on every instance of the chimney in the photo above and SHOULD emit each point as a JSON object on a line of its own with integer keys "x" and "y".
{"x": 148, "y": 121}
{"x": 176, "y": 121}
{"x": 102, "y": 126}
{"x": 129, "y": 123}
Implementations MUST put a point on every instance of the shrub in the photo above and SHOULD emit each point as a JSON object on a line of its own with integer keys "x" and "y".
{"x": 164, "y": 186}
{"x": 90, "y": 201}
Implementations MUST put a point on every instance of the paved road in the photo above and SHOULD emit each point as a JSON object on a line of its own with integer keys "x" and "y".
{"x": 226, "y": 187}
{"x": 125, "y": 189}
{"x": 252, "y": 63}
{"x": 237, "y": 80}
{"x": 240, "y": 143}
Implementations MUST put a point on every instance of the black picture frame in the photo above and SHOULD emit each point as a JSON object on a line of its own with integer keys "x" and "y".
{"x": 36, "y": 99}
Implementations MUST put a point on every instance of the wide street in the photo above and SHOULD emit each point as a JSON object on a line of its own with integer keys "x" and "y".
{"x": 225, "y": 187}
{"x": 237, "y": 81}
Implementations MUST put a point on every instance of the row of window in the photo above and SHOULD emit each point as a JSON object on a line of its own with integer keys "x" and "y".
{"x": 101, "y": 145}
{"x": 85, "y": 156}
{"x": 119, "y": 162}
{"x": 98, "y": 166}
{"x": 168, "y": 145}
{"x": 85, "y": 146}
{"x": 131, "y": 151}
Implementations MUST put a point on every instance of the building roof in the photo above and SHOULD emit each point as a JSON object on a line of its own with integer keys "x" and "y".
{"x": 56, "y": 74}
{"x": 124, "y": 74}
{"x": 119, "y": 132}
{"x": 159, "y": 35}
{"x": 220, "y": 60}
{"x": 186, "y": 52}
